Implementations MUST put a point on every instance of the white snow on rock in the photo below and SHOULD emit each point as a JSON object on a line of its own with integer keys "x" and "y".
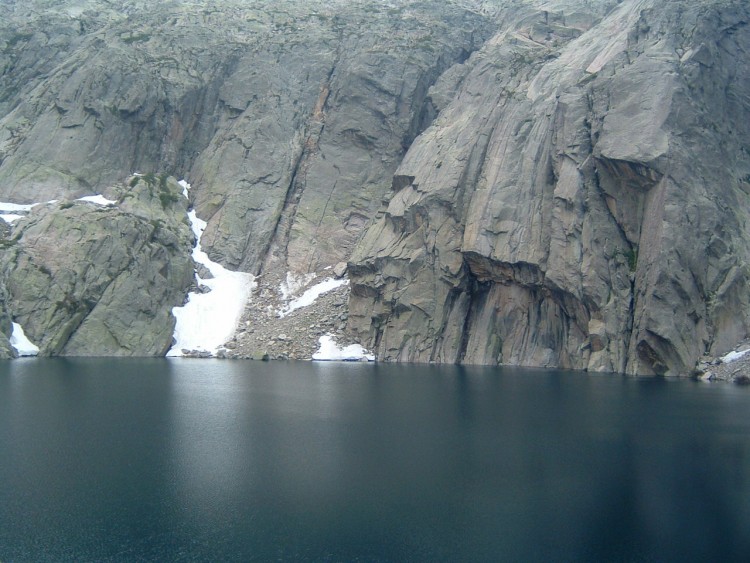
{"x": 98, "y": 199}
{"x": 310, "y": 295}
{"x": 11, "y": 212}
{"x": 208, "y": 320}
{"x": 732, "y": 356}
{"x": 10, "y": 217}
{"x": 293, "y": 283}
{"x": 5, "y": 206}
{"x": 330, "y": 351}
{"x": 19, "y": 341}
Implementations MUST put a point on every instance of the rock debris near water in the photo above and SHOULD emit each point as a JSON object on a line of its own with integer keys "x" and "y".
{"x": 734, "y": 367}
{"x": 264, "y": 333}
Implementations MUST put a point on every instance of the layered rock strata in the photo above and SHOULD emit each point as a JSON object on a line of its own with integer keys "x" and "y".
{"x": 579, "y": 202}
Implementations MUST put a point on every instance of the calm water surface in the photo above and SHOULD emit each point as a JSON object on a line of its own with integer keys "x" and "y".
{"x": 203, "y": 460}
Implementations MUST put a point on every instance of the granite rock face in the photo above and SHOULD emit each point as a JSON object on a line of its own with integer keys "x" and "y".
{"x": 580, "y": 201}
{"x": 543, "y": 183}
{"x": 288, "y": 117}
{"x": 90, "y": 280}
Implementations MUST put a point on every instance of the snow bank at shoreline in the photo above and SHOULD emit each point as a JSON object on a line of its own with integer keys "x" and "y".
{"x": 734, "y": 356}
{"x": 208, "y": 320}
{"x": 22, "y": 345}
{"x": 330, "y": 351}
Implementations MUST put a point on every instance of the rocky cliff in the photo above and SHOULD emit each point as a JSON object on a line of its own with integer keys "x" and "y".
{"x": 581, "y": 200}
{"x": 86, "y": 278}
{"x": 289, "y": 118}
{"x": 543, "y": 183}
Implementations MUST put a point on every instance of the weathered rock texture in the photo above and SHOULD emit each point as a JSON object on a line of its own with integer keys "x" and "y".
{"x": 580, "y": 201}
{"x": 289, "y": 118}
{"x": 84, "y": 280}
{"x": 6, "y": 351}
{"x": 545, "y": 183}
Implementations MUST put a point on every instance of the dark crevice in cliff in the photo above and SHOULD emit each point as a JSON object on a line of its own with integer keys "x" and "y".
{"x": 423, "y": 109}
{"x": 319, "y": 114}
{"x": 283, "y": 212}
{"x": 320, "y": 222}
{"x": 474, "y": 288}
{"x": 471, "y": 174}
{"x": 630, "y": 255}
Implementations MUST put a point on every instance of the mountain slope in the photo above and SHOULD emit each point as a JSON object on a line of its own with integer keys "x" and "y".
{"x": 544, "y": 183}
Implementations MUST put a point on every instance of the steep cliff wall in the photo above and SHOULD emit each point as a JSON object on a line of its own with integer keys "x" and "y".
{"x": 289, "y": 118}
{"x": 545, "y": 183}
{"x": 579, "y": 202}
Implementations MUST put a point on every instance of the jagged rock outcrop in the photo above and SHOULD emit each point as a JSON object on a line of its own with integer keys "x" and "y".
{"x": 580, "y": 201}
{"x": 544, "y": 183}
{"x": 90, "y": 280}
{"x": 289, "y": 118}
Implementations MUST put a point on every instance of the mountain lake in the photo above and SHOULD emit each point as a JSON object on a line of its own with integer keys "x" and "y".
{"x": 222, "y": 460}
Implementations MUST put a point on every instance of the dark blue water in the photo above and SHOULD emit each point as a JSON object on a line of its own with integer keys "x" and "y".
{"x": 201, "y": 460}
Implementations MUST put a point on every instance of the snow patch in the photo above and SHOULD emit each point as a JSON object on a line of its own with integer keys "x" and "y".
{"x": 293, "y": 284}
{"x": 208, "y": 320}
{"x": 10, "y": 217}
{"x": 310, "y": 295}
{"x": 19, "y": 341}
{"x": 732, "y": 356}
{"x": 185, "y": 188}
{"x": 98, "y": 199}
{"x": 11, "y": 212}
{"x": 330, "y": 351}
{"x": 6, "y": 206}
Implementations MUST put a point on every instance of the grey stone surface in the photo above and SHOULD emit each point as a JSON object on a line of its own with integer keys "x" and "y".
{"x": 579, "y": 202}
{"x": 287, "y": 117}
{"x": 6, "y": 328}
{"x": 543, "y": 183}
{"x": 87, "y": 280}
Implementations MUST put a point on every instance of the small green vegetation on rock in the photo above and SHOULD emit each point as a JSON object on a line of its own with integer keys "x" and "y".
{"x": 136, "y": 38}
{"x": 166, "y": 195}
{"x": 167, "y": 198}
{"x": 632, "y": 257}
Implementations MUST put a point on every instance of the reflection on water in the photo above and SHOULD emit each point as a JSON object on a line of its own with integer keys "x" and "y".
{"x": 226, "y": 460}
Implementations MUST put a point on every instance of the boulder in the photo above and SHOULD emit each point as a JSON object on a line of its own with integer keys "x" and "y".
{"x": 88, "y": 280}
